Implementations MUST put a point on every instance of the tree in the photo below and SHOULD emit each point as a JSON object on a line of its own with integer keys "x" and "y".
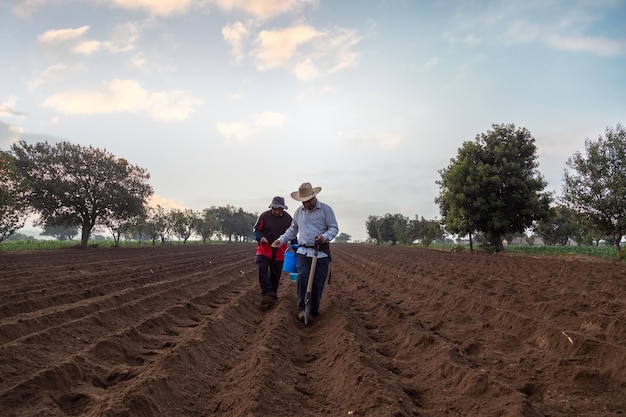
{"x": 86, "y": 183}
{"x": 389, "y": 228}
{"x": 62, "y": 228}
{"x": 160, "y": 224}
{"x": 372, "y": 225}
{"x": 14, "y": 207}
{"x": 207, "y": 225}
{"x": 184, "y": 223}
{"x": 343, "y": 237}
{"x": 596, "y": 186}
{"x": 426, "y": 231}
{"x": 559, "y": 227}
{"x": 493, "y": 186}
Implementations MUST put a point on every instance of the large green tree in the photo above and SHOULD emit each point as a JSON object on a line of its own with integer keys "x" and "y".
{"x": 86, "y": 183}
{"x": 14, "y": 207}
{"x": 595, "y": 188}
{"x": 493, "y": 186}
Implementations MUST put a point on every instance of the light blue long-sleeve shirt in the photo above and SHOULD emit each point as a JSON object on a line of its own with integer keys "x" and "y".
{"x": 307, "y": 224}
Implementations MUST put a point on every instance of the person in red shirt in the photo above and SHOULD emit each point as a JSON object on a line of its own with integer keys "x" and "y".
{"x": 269, "y": 226}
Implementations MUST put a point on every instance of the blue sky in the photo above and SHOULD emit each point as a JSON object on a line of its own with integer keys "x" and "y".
{"x": 235, "y": 101}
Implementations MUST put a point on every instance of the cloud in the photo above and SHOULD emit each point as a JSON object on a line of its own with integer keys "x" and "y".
{"x": 305, "y": 51}
{"x": 242, "y": 130}
{"x": 238, "y": 130}
{"x": 520, "y": 32}
{"x": 87, "y": 47}
{"x": 7, "y": 107}
{"x": 25, "y": 8}
{"x": 118, "y": 96}
{"x": 123, "y": 38}
{"x": 265, "y": 9}
{"x": 9, "y": 134}
{"x": 57, "y": 36}
{"x": 234, "y": 34}
{"x": 430, "y": 63}
{"x": 166, "y": 203}
{"x": 469, "y": 39}
{"x": 276, "y": 48}
{"x": 596, "y": 45}
{"x": 53, "y": 72}
{"x": 156, "y": 8}
{"x": 173, "y": 106}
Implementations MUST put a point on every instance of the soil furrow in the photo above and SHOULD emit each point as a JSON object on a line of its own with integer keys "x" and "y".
{"x": 177, "y": 331}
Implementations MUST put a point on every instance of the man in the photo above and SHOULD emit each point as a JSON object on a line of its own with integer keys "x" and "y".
{"x": 271, "y": 224}
{"x": 314, "y": 223}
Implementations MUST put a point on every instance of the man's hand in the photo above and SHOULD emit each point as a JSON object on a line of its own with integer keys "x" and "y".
{"x": 276, "y": 244}
{"x": 264, "y": 240}
{"x": 319, "y": 239}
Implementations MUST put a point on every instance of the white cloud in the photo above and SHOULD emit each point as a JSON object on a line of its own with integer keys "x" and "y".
{"x": 166, "y": 203}
{"x": 268, "y": 119}
{"x": 56, "y": 36}
{"x": 242, "y": 130}
{"x": 173, "y": 106}
{"x": 124, "y": 96}
{"x": 276, "y": 48}
{"x": 305, "y": 51}
{"x": 25, "y": 8}
{"x": 156, "y": 7}
{"x": 123, "y": 38}
{"x": 596, "y": 45}
{"x": 51, "y": 73}
{"x": 7, "y": 107}
{"x": 265, "y": 9}
{"x": 234, "y": 34}
{"x": 87, "y": 47}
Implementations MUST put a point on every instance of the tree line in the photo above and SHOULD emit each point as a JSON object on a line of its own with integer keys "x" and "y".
{"x": 492, "y": 190}
{"x": 71, "y": 188}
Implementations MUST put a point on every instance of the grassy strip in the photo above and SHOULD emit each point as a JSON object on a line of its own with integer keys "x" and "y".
{"x": 35, "y": 244}
{"x": 593, "y": 251}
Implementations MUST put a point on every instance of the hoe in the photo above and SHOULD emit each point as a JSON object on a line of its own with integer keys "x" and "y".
{"x": 309, "y": 287}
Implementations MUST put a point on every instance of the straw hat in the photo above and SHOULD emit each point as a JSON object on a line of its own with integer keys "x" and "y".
{"x": 305, "y": 192}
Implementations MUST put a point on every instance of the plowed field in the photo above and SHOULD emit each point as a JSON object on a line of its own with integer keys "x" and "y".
{"x": 177, "y": 331}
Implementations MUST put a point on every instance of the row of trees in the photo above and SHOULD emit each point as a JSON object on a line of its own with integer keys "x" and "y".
{"x": 493, "y": 187}
{"x": 396, "y": 228}
{"x": 162, "y": 225}
{"x": 70, "y": 188}
{"x": 492, "y": 190}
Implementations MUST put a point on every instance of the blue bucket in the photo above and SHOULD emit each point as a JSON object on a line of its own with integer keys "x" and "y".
{"x": 289, "y": 265}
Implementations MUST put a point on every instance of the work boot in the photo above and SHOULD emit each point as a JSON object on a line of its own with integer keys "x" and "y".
{"x": 267, "y": 301}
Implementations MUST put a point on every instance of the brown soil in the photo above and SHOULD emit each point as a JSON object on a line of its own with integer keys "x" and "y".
{"x": 177, "y": 331}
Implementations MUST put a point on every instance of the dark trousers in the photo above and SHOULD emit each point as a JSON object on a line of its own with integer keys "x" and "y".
{"x": 303, "y": 263}
{"x": 269, "y": 275}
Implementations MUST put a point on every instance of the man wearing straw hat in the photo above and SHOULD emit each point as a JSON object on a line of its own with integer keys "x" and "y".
{"x": 314, "y": 223}
{"x": 270, "y": 224}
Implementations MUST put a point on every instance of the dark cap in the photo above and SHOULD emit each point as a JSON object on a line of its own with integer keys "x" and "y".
{"x": 278, "y": 202}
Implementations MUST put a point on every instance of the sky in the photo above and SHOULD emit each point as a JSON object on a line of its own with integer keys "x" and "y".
{"x": 231, "y": 102}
